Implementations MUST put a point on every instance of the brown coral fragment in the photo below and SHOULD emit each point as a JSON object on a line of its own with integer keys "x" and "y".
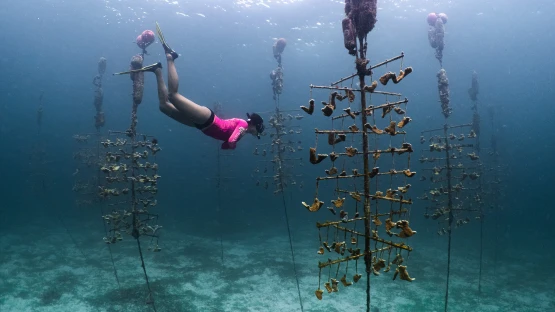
{"x": 396, "y": 79}
{"x": 391, "y": 129}
{"x": 332, "y": 140}
{"x": 340, "y": 97}
{"x": 354, "y": 128}
{"x": 404, "y": 189}
{"x": 404, "y": 122}
{"x": 335, "y": 284}
{"x": 351, "y": 151}
{"x": 349, "y": 112}
{"x": 402, "y": 75}
{"x": 405, "y": 148}
{"x": 338, "y": 203}
{"x": 370, "y": 110}
{"x": 403, "y": 273}
{"x": 316, "y": 205}
{"x": 380, "y": 264}
{"x": 310, "y": 109}
{"x": 473, "y": 156}
{"x": 327, "y": 109}
{"x": 340, "y": 138}
{"x": 384, "y": 79}
{"x": 316, "y": 158}
{"x": 409, "y": 173}
{"x": 373, "y": 129}
{"x": 399, "y": 110}
{"x": 406, "y": 230}
{"x": 390, "y": 193}
{"x": 343, "y": 215}
{"x": 356, "y": 278}
{"x": 331, "y": 171}
{"x": 386, "y": 110}
{"x": 370, "y": 88}
{"x": 327, "y": 285}
{"x": 355, "y": 196}
{"x": 319, "y": 293}
{"x": 338, "y": 247}
{"x": 398, "y": 259}
{"x": 333, "y": 156}
{"x": 350, "y": 95}
{"x": 408, "y": 70}
{"x": 344, "y": 281}
{"x": 389, "y": 224}
{"x": 332, "y": 99}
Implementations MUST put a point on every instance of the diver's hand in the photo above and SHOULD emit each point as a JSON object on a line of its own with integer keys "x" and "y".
{"x": 228, "y": 145}
{"x": 232, "y": 142}
{"x": 242, "y": 132}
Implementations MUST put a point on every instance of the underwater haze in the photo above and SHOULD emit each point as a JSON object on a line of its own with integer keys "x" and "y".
{"x": 234, "y": 235}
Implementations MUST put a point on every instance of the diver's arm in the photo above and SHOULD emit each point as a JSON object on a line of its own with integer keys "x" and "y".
{"x": 231, "y": 143}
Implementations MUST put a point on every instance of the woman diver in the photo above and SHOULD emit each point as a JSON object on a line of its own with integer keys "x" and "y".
{"x": 189, "y": 113}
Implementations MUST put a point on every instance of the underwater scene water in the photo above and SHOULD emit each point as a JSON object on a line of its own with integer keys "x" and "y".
{"x": 403, "y": 162}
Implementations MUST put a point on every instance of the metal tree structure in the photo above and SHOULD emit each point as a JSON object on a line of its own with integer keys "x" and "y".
{"x": 280, "y": 165}
{"x": 455, "y": 195}
{"x": 118, "y": 172}
{"x": 371, "y": 220}
{"x": 131, "y": 174}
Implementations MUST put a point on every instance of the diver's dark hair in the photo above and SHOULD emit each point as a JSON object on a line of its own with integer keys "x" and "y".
{"x": 257, "y": 121}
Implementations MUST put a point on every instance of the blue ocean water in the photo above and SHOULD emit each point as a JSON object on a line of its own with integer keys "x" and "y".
{"x": 225, "y": 240}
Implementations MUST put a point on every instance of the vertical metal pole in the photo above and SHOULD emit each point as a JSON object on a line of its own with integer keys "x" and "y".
{"x": 450, "y": 207}
{"x": 361, "y": 70}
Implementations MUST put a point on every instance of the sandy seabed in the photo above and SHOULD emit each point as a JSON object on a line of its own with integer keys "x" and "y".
{"x": 49, "y": 272}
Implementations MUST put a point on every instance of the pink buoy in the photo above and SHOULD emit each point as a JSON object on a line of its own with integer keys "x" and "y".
{"x": 443, "y": 17}
{"x": 432, "y": 18}
{"x": 145, "y": 39}
{"x": 140, "y": 42}
{"x": 148, "y": 37}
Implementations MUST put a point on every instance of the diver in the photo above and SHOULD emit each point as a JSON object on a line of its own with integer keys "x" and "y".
{"x": 189, "y": 113}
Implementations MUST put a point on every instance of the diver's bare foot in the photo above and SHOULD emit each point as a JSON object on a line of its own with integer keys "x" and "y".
{"x": 169, "y": 57}
{"x": 170, "y": 53}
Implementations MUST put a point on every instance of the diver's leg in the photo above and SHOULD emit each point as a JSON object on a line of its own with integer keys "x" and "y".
{"x": 165, "y": 106}
{"x": 196, "y": 113}
{"x": 173, "y": 78}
